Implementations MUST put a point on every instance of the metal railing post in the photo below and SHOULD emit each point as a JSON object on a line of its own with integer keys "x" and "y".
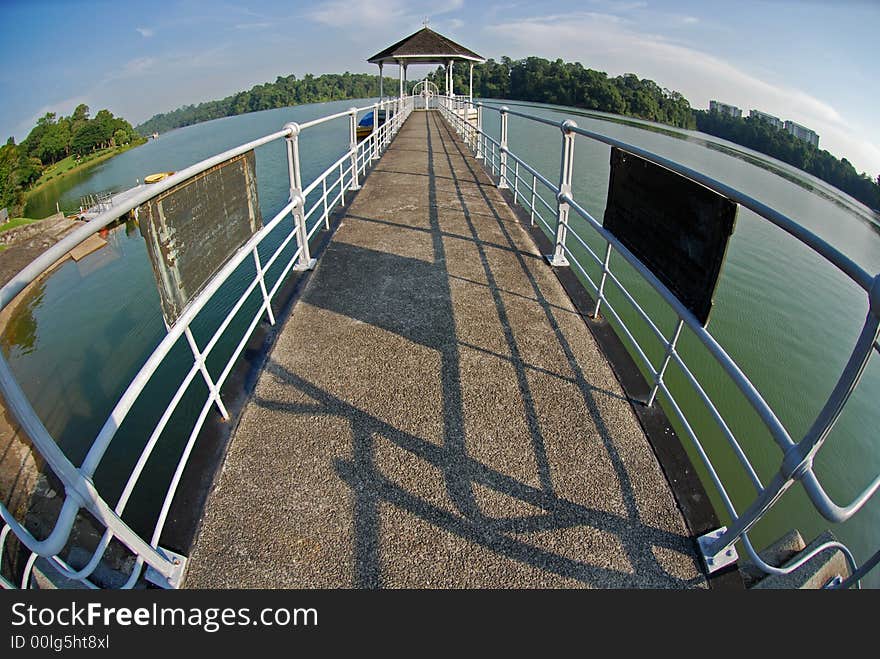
{"x": 305, "y": 262}
{"x": 374, "y": 136}
{"x": 324, "y": 198}
{"x": 341, "y": 194}
{"x": 353, "y": 146}
{"x": 386, "y": 126}
{"x": 516, "y": 182}
{"x": 479, "y": 155}
{"x": 532, "y": 203}
{"x": 502, "y": 177}
{"x": 558, "y": 259}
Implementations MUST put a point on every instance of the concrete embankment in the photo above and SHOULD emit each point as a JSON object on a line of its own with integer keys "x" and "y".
{"x": 20, "y": 464}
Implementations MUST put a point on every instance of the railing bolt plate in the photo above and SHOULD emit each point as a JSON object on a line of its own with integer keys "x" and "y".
{"x": 309, "y": 266}
{"x": 557, "y": 262}
{"x": 720, "y": 560}
{"x": 175, "y": 579}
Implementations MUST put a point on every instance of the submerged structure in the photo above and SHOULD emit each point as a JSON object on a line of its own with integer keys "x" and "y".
{"x": 444, "y": 391}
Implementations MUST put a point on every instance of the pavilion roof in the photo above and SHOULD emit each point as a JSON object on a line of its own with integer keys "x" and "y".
{"x": 425, "y": 47}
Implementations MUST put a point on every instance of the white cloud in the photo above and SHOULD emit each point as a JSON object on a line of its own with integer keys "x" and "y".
{"x": 608, "y": 43}
{"x": 621, "y": 6}
{"x": 448, "y": 6}
{"x": 145, "y": 32}
{"x": 342, "y": 13}
{"x": 690, "y": 20}
{"x": 388, "y": 15}
{"x": 133, "y": 68}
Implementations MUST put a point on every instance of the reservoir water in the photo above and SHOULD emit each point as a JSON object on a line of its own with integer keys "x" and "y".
{"x": 787, "y": 317}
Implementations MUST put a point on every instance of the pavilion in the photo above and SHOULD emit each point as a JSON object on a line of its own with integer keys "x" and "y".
{"x": 427, "y": 47}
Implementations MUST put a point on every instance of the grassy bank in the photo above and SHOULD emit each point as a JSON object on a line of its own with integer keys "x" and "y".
{"x": 69, "y": 165}
{"x": 16, "y": 222}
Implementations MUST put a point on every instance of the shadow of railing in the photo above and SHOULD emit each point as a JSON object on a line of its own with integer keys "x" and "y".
{"x": 413, "y": 298}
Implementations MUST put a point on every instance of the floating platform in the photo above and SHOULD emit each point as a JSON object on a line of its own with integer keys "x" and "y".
{"x": 435, "y": 413}
{"x": 91, "y": 244}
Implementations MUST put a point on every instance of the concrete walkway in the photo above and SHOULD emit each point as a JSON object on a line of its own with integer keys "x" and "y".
{"x": 436, "y": 414}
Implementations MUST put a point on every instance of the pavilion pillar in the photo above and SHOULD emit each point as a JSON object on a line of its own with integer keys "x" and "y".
{"x": 402, "y": 74}
{"x": 471, "y": 86}
{"x": 380, "y": 80}
{"x": 451, "y": 83}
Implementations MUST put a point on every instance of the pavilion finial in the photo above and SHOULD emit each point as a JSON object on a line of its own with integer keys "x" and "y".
{"x": 426, "y": 21}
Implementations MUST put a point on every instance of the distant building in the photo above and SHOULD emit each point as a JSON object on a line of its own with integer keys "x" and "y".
{"x": 776, "y": 122}
{"x": 802, "y": 133}
{"x": 4, "y": 216}
{"x": 724, "y": 108}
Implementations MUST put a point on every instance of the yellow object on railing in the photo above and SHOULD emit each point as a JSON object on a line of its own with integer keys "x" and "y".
{"x": 155, "y": 178}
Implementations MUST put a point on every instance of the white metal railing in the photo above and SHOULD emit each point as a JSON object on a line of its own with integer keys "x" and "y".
{"x": 526, "y": 184}
{"x": 80, "y": 493}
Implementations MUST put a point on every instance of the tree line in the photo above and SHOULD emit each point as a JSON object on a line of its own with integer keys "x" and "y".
{"x": 531, "y": 79}
{"x": 758, "y": 134}
{"x": 569, "y": 83}
{"x": 284, "y": 92}
{"x": 566, "y": 83}
{"x": 52, "y": 139}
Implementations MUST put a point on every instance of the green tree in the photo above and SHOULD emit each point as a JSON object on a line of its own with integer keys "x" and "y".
{"x": 54, "y": 143}
{"x": 121, "y": 137}
{"x": 87, "y": 139}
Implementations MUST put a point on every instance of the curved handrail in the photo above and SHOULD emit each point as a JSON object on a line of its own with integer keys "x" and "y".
{"x": 797, "y": 462}
{"x": 80, "y": 492}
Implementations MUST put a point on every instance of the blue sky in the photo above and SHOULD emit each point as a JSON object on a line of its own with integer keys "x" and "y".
{"x": 813, "y": 62}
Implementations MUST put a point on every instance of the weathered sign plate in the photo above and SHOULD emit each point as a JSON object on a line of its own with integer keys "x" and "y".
{"x": 675, "y": 226}
{"x": 192, "y": 229}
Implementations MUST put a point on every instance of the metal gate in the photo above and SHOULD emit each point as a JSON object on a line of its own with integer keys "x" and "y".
{"x": 425, "y": 95}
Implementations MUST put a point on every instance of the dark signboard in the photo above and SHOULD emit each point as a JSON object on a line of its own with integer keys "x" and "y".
{"x": 676, "y": 227}
{"x": 192, "y": 229}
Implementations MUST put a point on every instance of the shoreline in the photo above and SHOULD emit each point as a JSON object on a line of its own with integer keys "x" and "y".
{"x": 103, "y": 157}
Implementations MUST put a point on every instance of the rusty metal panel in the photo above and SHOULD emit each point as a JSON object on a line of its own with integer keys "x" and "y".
{"x": 675, "y": 226}
{"x": 192, "y": 229}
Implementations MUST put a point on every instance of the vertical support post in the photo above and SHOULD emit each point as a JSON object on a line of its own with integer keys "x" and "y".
{"x": 341, "y": 193}
{"x": 557, "y": 259}
{"x": 262, "y": 278}
{"x": 306, "y": 262}
{"x": 516, "y": 182}
{"x": 532, "y": 203}
{"x": 353, "y": 146}
{"x": 502, "y": 177}
{"x": 385, "y": 124}
{"x": 402, "y": 69}
{"x": 479, "y": 131}
{"x": 670, "y": 348}
{"x": 324, "y": 199}
{"x": 601, "y": 290}
{"x": 381, "y": 82}
{"x": 451, "y": 81}
{"x": 374, "y": 135}
{"x": 471, "y": 87}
